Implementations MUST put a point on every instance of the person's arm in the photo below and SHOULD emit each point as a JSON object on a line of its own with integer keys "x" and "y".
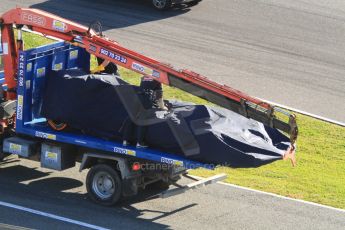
{"x": 105, "y": 66}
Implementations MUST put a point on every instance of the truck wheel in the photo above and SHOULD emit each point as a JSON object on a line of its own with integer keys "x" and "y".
{"x": 162, "y": 4}
{"x": 104, "y": 185}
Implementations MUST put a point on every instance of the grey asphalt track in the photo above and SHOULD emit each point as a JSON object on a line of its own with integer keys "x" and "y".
{"x": 213, "y": 207}
{"x": 289, "y": 52}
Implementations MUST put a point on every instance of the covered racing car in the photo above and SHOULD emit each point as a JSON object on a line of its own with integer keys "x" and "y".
{"x": 99, "y": 105}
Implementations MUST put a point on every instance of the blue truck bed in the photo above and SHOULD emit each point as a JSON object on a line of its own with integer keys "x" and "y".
{"x": 34, "y": 65}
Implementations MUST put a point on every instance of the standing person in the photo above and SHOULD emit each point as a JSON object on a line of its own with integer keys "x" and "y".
{"x": 152, "y": 98}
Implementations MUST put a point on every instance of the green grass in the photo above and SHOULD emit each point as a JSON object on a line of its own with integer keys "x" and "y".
{"x": 320, "y": 172}
{"x": 31, "y": 41}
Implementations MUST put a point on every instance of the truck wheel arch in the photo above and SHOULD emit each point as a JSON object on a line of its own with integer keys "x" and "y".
{"x": 118, "y": 163}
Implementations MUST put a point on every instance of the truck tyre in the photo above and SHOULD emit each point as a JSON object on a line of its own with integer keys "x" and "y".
{"x": 104, "y": 185}
{"x": 162, "y": 4}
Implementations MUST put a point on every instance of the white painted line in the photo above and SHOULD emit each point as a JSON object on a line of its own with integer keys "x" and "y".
{"x": 276, "y": 195}
{"x": 52, "y": 216}
{"x": 283, "y": 197}
{"x": 305, "y": 113}
{"x": 12, "y": 227}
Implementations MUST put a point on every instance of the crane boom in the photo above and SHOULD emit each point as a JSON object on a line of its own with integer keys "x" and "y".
{"x": 107, "y": 49}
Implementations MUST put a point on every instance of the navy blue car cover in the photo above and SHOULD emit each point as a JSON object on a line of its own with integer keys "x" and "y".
{"x": 100, "y": 104}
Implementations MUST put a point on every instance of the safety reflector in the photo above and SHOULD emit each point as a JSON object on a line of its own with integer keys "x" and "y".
{"x": 136, "y": 166}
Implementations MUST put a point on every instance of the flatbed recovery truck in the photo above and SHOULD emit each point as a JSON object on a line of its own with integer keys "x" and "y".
{"x": 115, "y": 170}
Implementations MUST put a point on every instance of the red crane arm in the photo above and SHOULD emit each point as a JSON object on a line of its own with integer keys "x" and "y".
{"x": 110, "y": 50}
